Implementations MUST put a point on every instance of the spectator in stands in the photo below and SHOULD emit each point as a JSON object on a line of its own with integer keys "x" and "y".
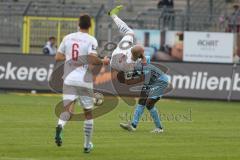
{"x": 233, "y": 25}
{"x": 130, "y": 6}
{"x": 50, "y": 47}
{"x": 234, "y": 19}
{"x": 165, "y": 3}
{"x": 168, "y": 17}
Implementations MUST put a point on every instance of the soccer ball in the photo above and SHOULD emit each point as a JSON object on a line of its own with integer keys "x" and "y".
{"x": 98, "y": 99}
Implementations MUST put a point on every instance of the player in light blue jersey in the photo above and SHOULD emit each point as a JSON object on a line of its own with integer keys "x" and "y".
{"x": 155, "y": 83}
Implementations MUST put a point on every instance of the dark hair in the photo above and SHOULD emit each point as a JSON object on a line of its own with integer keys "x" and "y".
{"x": 84, "y": 21}
{"x": 52, "y": 38}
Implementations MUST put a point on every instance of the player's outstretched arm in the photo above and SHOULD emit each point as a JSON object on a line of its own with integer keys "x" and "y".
{"x": 93, "y": 59}
{"x": 59, "y": 57}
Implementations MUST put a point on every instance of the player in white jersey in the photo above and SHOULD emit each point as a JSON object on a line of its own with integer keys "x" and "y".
{"x": 126, "y": 54}
{"x": 78, "y": 50}
{"x": 132, "y": 67}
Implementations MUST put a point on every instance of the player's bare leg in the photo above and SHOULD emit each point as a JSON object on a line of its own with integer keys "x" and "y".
{"x": 64, "y": 117}
{"x": 88, "y": 130}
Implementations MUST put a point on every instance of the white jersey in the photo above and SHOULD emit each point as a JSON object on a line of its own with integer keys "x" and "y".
{"x": 49, "y": 49}
{"x": 121, "y": 57}
{"x": 126, "y": 52}
{"x": 73, "y": 46}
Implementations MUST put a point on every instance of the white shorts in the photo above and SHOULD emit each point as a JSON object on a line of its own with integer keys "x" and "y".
{"x": 84, "y": 95}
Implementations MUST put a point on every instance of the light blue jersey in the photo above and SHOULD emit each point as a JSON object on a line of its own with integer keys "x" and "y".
{"x": 155, "y": 81}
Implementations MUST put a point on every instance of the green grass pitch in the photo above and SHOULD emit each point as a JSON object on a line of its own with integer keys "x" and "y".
{"x": 27, "y": 126}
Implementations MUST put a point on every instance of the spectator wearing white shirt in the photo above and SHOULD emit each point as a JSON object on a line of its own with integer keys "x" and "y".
{"x": 50, "y": 48}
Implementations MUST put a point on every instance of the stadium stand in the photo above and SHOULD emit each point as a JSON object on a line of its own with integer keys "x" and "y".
{"x": 195, "y": 15}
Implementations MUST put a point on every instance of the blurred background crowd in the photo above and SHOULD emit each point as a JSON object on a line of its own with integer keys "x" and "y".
{"x": 38, "y": 26}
